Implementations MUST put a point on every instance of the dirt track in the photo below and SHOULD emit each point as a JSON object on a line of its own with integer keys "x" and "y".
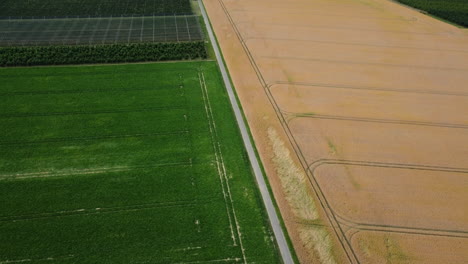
{"x": 370, "y": 99}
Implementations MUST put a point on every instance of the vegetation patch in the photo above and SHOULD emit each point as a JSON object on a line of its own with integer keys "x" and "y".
{"x": 136, "y": 52}
{"x": 455, "y": 11}
{"x": 294, "y": 182}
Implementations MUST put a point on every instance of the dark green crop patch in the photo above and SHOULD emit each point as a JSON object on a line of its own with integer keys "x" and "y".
{"x": 137, "y": 52}
{"x": 137, "y": 163}
{"x": 94, "y": 8}
{"x": 455, "y": 11}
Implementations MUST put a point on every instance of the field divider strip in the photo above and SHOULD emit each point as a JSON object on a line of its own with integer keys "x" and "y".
{"x": 266, "y": 197}
{"x": 348, "y": 62}
{"x": 317, "y": 163}
{"x": 83, "y": 91}
{"x": 372, "y": 120}
{"x": 28, "y": 260}
{"x": 103, "y": 210}
{"x": 94, "y": 138}
{"x": 223, "y": 167}
{"x": 341, "y": 86}
{"x": 47, "y": 174}
{"x": 401, "y": 229}
{"x": 148, "y": 109}
{"x": 353, "y": 44}
{"x": 217, "y": 153}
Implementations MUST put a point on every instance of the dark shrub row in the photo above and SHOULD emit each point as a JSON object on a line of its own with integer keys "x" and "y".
{"x": 54, "y": 55}
{"x": 62, "y": 8}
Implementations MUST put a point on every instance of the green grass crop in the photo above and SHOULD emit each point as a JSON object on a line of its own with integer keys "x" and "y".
{"x": 51, "y": 8}
{"x": 455, "y": 11}
{"x": 119, "y": 164}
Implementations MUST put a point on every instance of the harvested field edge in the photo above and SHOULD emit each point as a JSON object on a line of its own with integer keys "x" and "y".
{"x": 211, "y": 55}
{"x": 139, "y": 52}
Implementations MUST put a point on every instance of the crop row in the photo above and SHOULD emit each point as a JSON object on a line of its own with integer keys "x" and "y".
{"x": 53, "y": 8}
{"x": 55, "y": 55}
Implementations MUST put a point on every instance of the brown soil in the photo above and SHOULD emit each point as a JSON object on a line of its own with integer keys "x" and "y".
{"x": 374, "y": 98}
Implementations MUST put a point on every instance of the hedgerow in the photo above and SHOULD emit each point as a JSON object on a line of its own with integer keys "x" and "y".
{"x": 137, "y": 52}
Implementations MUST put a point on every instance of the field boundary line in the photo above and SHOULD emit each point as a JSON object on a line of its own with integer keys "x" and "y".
{"x": 341, "y": 86}
{"x": 224, "y": 172}
{"x": 54, "y": 140}
{"x": 84, "y": 91}
{"x": 266, "y": 197}
{"x": 103, "y": 210}
{"x": 114, "y": 111}
{"x": 354, "y": 44}
{"x": 371, "y": 120}
{"x": 364, "y": 63}
{"x": 343, "y": 28}
{"x": 388, "y": 228}
{"x": 214, "y": 139}
{"x": 317, "y": 163}
{"x": 47, "y": 174}
{"x": 330, "y": 15}
{"x": 56, "y": 258}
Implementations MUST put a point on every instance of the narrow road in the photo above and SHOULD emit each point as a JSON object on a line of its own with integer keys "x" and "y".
{"x": 271, "y": 211}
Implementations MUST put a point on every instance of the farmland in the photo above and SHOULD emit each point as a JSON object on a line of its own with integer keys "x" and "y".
{"x": 358, "y": 110}
{"x": 76, "y": 31}
{"x": 95, "y": 8}
{"x": 134, "y": 163}
{"x": 455, "y": 11}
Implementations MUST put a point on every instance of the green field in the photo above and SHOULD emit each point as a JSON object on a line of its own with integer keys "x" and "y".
{"x": 455, "y": 11}
{"x": 52, "y": 8}
{"x": 137, "y": 163}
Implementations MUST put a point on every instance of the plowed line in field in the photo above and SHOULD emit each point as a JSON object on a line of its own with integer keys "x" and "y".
{"x": 372, "y": 120}
{"x": 59, "y": 258}
{"x": 46, "y": 174}
{"x": 104, "y": 210}
{"x": 340, "y": 86}
{"x": 321, "y": 27}
{"x": 391, "y": 228}
{"x": 354, "y": 44}
{"x": 329, "y": 15}
{"x": 88, "y": 91}
{"x": 115, "y": 111}
{"x": 317, "y": 163}
{"x": 364, "y": 63}
{"x": 224, "y": 181}
{"x": 54, "y": 140}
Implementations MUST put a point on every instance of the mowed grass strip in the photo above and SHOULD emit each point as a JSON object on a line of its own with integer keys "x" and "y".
{"x": 123, "y": 164}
